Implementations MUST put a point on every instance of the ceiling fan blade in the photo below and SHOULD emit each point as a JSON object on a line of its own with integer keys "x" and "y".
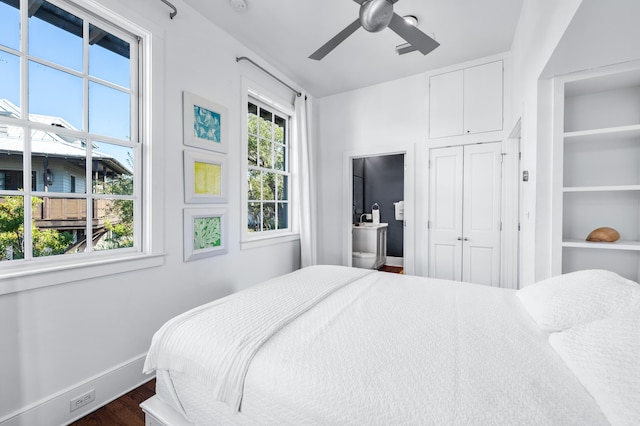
{"x": 412, "y": 35}
{"x": 335, "y": 41}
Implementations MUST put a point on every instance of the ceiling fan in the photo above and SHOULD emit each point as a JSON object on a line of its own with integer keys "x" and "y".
{"x": 376, "y": 15}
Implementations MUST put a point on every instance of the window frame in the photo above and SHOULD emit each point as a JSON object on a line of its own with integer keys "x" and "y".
{"x": 20, "y": 275}
{"x": 252, "y": 92}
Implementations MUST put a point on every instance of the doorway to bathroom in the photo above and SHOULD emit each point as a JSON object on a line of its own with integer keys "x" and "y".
{"x": 378, "y": 228}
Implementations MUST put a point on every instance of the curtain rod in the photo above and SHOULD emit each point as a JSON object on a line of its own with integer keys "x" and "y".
{"x": 241, "y": 58}
{"x": 175, "y": 11}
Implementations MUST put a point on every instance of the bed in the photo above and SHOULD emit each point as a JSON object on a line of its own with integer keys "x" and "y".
{"x": 339, "y": 345}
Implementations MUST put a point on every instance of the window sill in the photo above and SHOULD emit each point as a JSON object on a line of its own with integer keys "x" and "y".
{"x": 31, "y": 277}
{"x": 263, "y": 241}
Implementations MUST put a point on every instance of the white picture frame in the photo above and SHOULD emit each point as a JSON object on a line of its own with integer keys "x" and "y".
{"x": 204, "y": 123}
{"x": 205, "y": 177}
{"x": 205, "y": 232}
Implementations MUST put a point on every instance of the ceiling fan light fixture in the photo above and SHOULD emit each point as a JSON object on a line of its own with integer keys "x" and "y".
{"x": 411, "y": 20}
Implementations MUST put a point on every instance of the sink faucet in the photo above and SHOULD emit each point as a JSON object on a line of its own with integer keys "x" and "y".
{"x": 363, "y": 214}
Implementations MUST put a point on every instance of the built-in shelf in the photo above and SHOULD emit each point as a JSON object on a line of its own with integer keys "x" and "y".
{"x": 617, "y": 245}
{"x": 610, "y": 133}
{"x": 605, "y": 188}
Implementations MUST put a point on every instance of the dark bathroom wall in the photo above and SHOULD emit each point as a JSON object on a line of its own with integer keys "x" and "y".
{"x": 384, "y": 184}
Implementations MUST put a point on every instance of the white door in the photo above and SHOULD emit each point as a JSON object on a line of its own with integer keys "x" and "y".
{"x": 481, "y": 217}
{"x": 483, "y": 98}
{"x": 464, "y": 212}
{"x": 446, "y": 104}
{"x": 445, "y": 213}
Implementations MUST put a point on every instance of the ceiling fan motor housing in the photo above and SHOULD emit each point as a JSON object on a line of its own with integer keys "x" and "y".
{"x": 375, "y": 15}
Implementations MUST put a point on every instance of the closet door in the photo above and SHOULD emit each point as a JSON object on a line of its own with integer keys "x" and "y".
{"x": 481, "y": 218}
{"x": 464, "y": 213}
{"x": 445, "y": 213}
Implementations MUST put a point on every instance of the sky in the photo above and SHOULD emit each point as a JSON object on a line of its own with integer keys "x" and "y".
{"x": 60, "y": 94}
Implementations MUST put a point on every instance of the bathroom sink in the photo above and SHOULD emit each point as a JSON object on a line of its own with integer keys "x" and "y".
{"x": 369, "y": 225}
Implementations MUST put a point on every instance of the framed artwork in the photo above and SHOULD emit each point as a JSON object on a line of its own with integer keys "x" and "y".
{"x": 205, "y": 233}
{"x": 205, "y": 123}
{"x": 205, "y": 178}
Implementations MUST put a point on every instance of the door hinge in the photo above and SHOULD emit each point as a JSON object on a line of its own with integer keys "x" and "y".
{"x": 428, "y": 224}
{"x": 500, "y": 226}
{"x": 520, "y": 156}
{"x": 518, "y": 226}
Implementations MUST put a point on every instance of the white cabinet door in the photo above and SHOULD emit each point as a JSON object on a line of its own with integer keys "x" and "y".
{"x": 481, "y": 219}
{"x": 445, "y": 213}
{"x": 483, "y": 98}
{"x": 446, "y": 104}
{"x": 466, "y": 101}
{"x": 464, "y": 213}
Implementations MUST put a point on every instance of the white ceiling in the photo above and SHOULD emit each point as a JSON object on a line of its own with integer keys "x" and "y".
{"x": 286, "y": 32}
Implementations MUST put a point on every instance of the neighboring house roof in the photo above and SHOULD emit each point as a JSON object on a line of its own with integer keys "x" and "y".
{"x": 52, "y": 144}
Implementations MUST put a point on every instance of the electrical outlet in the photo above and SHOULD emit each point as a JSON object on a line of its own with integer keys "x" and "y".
{"x": 82, "y": 400}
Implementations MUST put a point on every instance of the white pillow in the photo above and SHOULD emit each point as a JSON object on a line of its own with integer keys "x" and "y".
{"x": 605, "y": 356}
{"x": 579, "y": 297}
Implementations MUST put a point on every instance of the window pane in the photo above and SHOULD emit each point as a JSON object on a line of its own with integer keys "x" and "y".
{"x": 269, "y": 216}
{"x": 113, "y": 224}
{"x": 282, "y": 187}
{"x": 60, "y": 224}
{"x": 108, "y": 57}
{"x": 268, "y": 186}
{"x": 283, "y": 215}
{"x": 56, "y": 95}
{"x": 55, "y": 159}
{"x": 252, "y": 152}
{"x": 255, "y": 186}
{"x": 11, "y": 149}
{"x": 10, "y": 24}
{"x": 56, "y": 35}
{"x": 266, "y": 125}
{"x": 112, "y": 169}
{"x": 279, "y": 129}
{"x": 253, "y": 217}
{"x": 109, "y": 112}
{"x": 279, "y": 157}
{"x": 11, "y": 228}
{"x": 9, "y": 84}
{"x": 266, "y": 154}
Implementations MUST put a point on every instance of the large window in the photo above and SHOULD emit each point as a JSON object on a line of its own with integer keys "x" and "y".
{"x": 268, "y": 170}
{"x": 69, "y": 142}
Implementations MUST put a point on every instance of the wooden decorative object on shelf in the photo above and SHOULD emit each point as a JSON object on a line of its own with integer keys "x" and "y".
{"x": 604, "y": 234}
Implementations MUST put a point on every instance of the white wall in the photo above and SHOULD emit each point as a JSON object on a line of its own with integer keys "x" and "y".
{"x": 57, "y": 341}
{"x": 541, "y": 26}
{"x": 384, "y": 117}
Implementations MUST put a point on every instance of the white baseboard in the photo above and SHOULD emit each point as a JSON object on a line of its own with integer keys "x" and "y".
{"x": 394, "y": 261}
{"x": 108, "y": 385}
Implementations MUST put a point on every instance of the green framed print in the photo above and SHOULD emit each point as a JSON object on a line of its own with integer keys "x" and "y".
{"x": 205, "y": 233}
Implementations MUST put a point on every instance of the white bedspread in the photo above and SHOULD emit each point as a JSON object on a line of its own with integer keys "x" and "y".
{"x": 392, "y": 349}
{"x": 222, "y": 337}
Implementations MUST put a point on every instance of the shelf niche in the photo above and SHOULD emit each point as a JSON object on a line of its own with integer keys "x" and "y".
{"x": 601, "y": 171}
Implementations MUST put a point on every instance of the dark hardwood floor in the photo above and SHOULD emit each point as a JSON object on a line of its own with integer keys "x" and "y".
{"x": 124, "y": 411}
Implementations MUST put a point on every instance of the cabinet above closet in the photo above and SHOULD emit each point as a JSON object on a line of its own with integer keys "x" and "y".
{"x": 466, "y": 101}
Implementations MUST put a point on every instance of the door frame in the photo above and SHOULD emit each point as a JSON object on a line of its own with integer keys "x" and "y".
{"x": 409, "y": 245}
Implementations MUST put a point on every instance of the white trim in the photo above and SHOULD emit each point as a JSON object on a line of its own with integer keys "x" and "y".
{"x": 109, "y": 385}
{"x": 55, "y": 272}
{"x": 409, "y": 249}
